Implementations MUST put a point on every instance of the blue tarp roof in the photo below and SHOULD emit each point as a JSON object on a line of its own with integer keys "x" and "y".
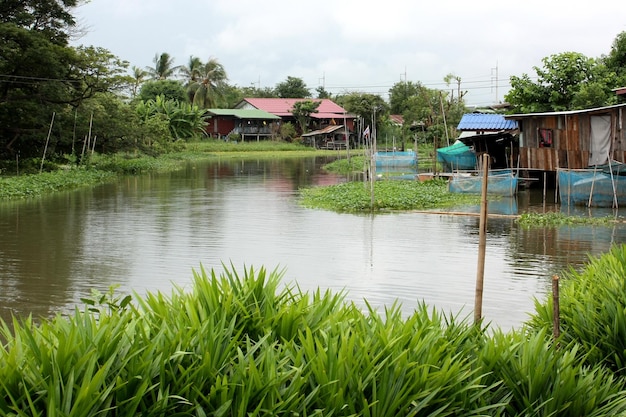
{"x": 483, "y": 121}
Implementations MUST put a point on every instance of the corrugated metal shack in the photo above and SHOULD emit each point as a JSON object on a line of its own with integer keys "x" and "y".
{"x": 571, "y": 139}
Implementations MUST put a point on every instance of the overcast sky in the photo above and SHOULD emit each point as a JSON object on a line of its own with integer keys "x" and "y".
{"x": 357, "y": 45}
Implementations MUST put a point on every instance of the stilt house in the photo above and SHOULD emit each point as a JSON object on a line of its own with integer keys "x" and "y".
{"x": 571, "y": 139}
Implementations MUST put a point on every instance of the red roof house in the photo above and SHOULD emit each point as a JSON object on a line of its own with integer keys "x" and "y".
{"x": 328, "y": 112}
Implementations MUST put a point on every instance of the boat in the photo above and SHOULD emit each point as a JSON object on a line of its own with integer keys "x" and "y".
{"x": 456, "y": 157}
{"x": 499, "y": 182}
{"x": 601, "y": 186}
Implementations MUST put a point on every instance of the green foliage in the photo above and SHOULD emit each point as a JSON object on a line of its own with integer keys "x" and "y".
{"x": 346, "y": 166}
{"x": 36, "y": 185}
{"x": 302, "y": 111}
{"x": 46, "y": 76}
{"x": 287, "y": 131}
{"x": 185, "y": 121}
{"x": 51, "y": 18}
{"x": 534, "y": 378}
{"x": 364, "y": 105}
{"x": 615, "y": 61}
{"x": 206, "y": 88}
{"x": 530, "y": 220}
{"x": 592, "y": 311}
{"x": 170, "y": 89}
{"x": 388, "y": 196}
{"x": 292, "y": 87}
{"x": 244, "y": 344}
{"x": 567, "y": 81}
{"x": 164, "y": 67}
{"x": 322, "y": 93}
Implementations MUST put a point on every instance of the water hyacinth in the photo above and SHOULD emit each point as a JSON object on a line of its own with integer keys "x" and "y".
{"x": 355, "y": 196}
{"x": 244, "y": 344}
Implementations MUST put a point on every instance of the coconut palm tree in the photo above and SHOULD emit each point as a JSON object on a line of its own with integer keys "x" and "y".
{"x": 208, "y": 89}
{"x": 163, "y": 67}
{"x": 191, "y": 71}
{"x": 139, "y": 76}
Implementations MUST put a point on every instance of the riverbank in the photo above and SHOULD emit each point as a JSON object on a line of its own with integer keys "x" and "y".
{"x": 100, "y": 169}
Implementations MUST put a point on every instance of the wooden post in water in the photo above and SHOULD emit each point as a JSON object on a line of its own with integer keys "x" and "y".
{"x": 482, "y": 243}
{"x": 556, "y": 313}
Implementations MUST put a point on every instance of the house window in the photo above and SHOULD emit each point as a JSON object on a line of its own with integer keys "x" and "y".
{"x": 545, "y": 138}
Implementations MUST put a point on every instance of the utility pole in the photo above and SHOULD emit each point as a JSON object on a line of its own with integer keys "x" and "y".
{"x": 495, "y": 71}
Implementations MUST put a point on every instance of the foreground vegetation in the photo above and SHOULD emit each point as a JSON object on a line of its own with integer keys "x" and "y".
{"x": 244, "y": 344}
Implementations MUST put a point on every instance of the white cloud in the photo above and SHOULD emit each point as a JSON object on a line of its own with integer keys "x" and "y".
{"x": 356, "y": 45}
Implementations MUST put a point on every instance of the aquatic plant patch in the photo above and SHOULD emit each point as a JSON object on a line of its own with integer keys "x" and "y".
{"x": 356, "y": 196}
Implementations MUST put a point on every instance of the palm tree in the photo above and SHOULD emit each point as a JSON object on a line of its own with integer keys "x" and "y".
{"x": 139, "y": 76}
{"x": 208, "y": 89}
{"x": 163, "y": 67}
{"x": 190, "y": 72}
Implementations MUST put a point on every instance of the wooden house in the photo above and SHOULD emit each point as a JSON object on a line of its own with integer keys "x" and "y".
{"x": 571, "y": 139}
{"x": 328, "y": 112}
{"x": 492, "y": 134}
{"x": 249, "y": 124}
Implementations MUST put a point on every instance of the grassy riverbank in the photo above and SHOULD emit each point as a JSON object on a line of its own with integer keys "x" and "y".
{"x": 243, "y": 344}
{"x": 98, "y": 169}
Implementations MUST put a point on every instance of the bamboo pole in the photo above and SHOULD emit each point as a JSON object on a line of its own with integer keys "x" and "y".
{"x": 482, "y": 243}
{"x": 45, "y": 149}
{"x": 556, "y": 319}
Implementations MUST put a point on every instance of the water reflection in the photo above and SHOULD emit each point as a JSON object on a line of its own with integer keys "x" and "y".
{"x": 148, "y": 233}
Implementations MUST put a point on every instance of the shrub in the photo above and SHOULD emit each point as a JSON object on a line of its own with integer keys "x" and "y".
{"x": 592, "y": 310}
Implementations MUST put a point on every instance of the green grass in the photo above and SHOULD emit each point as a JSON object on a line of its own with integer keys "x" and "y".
{"x": 355, "y": 197}
{"x": 35, "y": 185}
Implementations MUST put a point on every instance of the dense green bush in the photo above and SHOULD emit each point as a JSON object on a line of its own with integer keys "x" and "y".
{"x": 236, "y": 345}
{"x": 592, "y": 310}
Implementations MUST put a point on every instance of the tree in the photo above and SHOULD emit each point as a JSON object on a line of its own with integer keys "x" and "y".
{"x": 50, "y": 18}
{"x": 41, "y": 78}
{"x": 559, "y": 85}
{"x": 163, "y": 67}
{"x": 615, "y": 61}
{"x": 400, "y": 93}
{"x": 302, "y": 111}
{"x": 322, "y": 93}
{"x": 139, "y": 76}
{"x": 191, "y": 71}
{"x": 292, "y": 87}
{"x": 367, "y": 106}
{"x": 170, "y": 89}
{"x": 208, "y": 89}
{"x": 185, "y": 120}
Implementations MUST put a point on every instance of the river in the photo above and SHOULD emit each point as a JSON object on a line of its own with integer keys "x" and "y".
{"x": 149, "y": 233}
